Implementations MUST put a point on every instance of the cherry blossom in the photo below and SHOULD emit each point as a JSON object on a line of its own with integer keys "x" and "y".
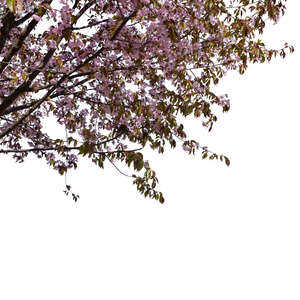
{"x": 114, "y": 76}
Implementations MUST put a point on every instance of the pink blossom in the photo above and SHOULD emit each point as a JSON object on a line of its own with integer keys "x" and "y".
{"x": 36, "y": 17}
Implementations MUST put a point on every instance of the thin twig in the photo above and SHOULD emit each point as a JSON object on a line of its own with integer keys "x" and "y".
{"x": 117, "y": 167}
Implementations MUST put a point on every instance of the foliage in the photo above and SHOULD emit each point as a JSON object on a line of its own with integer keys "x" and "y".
{"x": 116, "y": 75}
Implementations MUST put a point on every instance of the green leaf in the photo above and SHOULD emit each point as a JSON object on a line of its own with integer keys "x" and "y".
{"x": 138, "y": 164}
{"x": 11, "y": 4}
{"x": 25, "y": 77}
{"x": 15, "y": 6}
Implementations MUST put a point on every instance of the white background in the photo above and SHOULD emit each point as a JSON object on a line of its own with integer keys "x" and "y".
{"x": 223, "y": 233}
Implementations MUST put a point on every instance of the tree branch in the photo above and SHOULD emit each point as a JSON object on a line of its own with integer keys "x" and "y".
{"x": 18, "y": 108}
{"x": 14, "y": 49}
{"x": 9, "y": 22}
{"x": 65, "y": 148}
{"x": 125, "y": 20}
{"x": 117, "y": 167}
{"x": 23, "y": 87}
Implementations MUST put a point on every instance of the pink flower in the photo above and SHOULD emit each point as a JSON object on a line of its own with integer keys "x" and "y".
{"x": 36, "y": 17}
{"x": 186, "y": 148}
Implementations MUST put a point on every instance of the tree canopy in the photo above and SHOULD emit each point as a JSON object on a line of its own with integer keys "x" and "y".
{"x": 116, "y": 75}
